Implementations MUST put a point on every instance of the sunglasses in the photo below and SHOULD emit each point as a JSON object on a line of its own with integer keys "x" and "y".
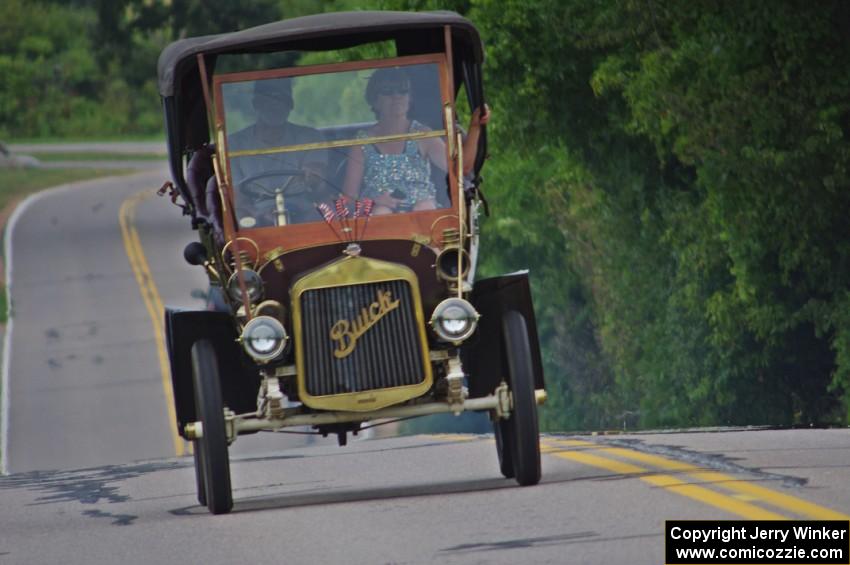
{"x": 389, "y": 90}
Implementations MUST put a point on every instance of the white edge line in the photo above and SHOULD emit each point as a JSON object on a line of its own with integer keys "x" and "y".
{"x": 7, "y": 339}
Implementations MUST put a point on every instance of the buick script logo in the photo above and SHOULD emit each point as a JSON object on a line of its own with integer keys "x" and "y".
{"x": 346, "y": 332}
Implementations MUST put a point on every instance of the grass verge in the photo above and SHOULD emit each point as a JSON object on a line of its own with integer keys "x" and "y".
{"x": 93, "y": 156}
{"x": 17, "y": 183}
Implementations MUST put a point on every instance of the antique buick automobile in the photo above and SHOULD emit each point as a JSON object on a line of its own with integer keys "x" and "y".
{"x": 322, "y": 164}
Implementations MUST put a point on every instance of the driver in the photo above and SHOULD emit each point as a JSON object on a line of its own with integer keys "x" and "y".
{"x": 255, "y": 202}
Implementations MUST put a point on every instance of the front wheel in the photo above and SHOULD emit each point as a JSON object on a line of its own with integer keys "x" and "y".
{"x": 200, "y": 483}
{"x": 504, "y": 447}
{"x": 211, "y": 448}
{"x": 518, "y": 437}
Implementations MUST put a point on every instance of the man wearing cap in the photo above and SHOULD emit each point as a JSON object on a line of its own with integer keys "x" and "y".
{"x": 272, "y": 102}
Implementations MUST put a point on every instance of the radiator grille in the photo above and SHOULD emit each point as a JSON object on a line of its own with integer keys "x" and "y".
{"x": 388, "y": 354}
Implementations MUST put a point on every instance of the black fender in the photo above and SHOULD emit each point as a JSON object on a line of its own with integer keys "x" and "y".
{"x": 492, "y": 298}
{"x": 240, "y": 377}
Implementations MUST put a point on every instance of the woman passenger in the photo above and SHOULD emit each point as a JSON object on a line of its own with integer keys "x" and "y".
{"x": 397, "y": 174}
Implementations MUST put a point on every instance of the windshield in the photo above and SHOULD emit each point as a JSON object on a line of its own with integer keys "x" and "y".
{"x": 356, "y": 142}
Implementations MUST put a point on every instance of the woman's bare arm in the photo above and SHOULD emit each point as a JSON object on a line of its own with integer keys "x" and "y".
{"x": 435, "y": 150}
{"x": 470, "y": 144}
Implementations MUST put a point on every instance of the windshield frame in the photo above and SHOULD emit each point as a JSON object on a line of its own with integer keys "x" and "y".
{"x": 390, "y": 226}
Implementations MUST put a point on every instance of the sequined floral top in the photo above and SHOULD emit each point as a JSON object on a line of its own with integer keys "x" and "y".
{"x": 408, "y": 171}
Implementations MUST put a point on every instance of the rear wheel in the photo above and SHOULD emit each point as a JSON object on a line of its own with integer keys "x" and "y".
{"x": 211, "y": 448}
{"x": 519, "y": 435}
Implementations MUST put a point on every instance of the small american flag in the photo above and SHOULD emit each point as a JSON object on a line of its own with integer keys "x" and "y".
{"x": 326, "y": 212}
{"x": 358, "y": 208}
{"x": 342, "y": 210}
{"x": 367, "y": 206}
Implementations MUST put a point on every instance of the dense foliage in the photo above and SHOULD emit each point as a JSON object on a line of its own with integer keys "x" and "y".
{"x": 55, "y": 82}
{"x": 675, "y": 174}
{"x": 87, "y": 68}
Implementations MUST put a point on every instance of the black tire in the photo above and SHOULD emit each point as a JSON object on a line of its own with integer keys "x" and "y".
{"x": 520, "y": 433}
{"x": 212, "y": 455}
{"x": 200, "y": 483}
{"x": 504, "y": 447}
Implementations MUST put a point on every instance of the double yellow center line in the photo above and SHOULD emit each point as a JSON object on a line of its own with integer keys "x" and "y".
{"x": 153, "y": 304}
{"x": 734, "y": 495}
{"x": 741, "y": 497}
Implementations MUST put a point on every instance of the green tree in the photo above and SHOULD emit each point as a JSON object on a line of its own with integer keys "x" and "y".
{"x": 753, "y": 97}
{"x": 703, "y": 209}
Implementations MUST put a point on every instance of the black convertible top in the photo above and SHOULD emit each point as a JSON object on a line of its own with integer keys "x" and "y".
{"x": 321, "y": 32}
{"x": 413, "y": 33}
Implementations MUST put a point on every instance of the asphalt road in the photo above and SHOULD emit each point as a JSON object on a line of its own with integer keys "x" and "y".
{"x": 426, "y": 500}
{"x": 96, "y": 475}
{"x": 87, "y": 374}
{"x": 117, "y": 149}
{"x": 84, "y": 385}
{"x": 155, "y": 147}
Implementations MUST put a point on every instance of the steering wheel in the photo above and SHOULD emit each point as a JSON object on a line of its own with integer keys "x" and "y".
{"x": 288, "y": 185}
